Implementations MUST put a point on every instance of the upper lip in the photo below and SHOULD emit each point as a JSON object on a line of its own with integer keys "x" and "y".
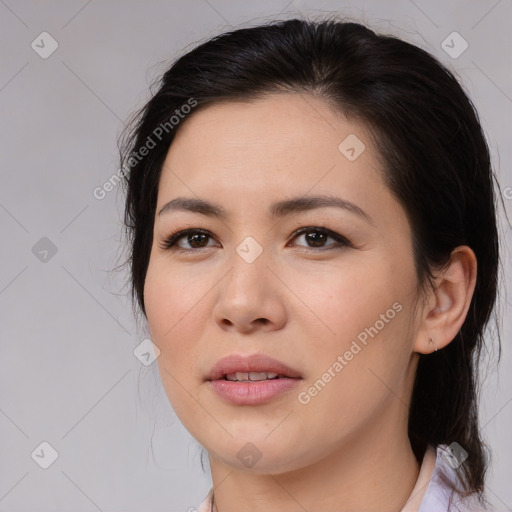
{"x": 250, "y": 363}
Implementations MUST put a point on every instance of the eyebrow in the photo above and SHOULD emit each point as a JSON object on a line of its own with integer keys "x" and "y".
{"x": 276, "y": 210}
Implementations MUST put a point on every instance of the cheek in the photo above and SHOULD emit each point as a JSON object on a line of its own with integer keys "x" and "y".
{"x": 169, "y": 297}
{"x": 175, "y": 319}
{"x": 360, "y": 312}
{"x": 175, "y": 315}
{"x": 340, "y": 301}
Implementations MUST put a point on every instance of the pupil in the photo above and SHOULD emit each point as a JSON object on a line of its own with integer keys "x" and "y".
{"x": 194, "y": 236}
{"x": 317, "y": 240}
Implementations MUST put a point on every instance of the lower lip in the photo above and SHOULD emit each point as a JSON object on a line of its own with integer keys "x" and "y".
{"x": 253, "y": 392}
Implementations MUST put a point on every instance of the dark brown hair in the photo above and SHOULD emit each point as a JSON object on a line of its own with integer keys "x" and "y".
{"x": 436, "y": 161}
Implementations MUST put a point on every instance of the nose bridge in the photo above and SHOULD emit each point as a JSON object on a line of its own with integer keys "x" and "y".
{"x": 248, "y": 266}
{"x": 250, "y": 250}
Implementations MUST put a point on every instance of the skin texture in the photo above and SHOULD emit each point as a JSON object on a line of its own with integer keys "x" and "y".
{"x": 347, "y": 448}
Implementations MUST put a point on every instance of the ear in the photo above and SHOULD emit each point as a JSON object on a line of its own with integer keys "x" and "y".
{"x": 445, "y": 308}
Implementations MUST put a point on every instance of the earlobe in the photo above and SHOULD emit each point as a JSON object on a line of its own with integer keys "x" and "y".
{"x": 448, "y": 303}
{"x": 430, "y": 340}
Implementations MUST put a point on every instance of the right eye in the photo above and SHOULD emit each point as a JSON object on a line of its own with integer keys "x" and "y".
{"x": 196, "y": 238}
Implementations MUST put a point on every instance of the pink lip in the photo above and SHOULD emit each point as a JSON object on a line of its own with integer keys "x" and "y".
{"x": 253, "y": 392}
{"x": 253, "y": 363}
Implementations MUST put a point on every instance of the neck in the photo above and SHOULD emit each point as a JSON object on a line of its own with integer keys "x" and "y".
{"x": 374, "y": 472}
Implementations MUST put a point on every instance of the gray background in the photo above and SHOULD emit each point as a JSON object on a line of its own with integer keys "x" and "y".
{"x": 68, "y": 374}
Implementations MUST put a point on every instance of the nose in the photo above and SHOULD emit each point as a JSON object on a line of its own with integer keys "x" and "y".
{"x": 249, "y": 297}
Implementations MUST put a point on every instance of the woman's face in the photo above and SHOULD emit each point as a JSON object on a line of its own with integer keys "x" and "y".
{"x": 341, "y": 314}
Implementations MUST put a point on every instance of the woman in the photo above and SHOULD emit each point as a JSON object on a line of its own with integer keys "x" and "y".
{"x": 313, "y": 243}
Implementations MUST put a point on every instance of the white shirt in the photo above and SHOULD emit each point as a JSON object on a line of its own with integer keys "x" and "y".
{"x": 431, "y": 493}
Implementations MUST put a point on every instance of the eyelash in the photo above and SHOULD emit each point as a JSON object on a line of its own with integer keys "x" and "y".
{"x": 169, "y": 243}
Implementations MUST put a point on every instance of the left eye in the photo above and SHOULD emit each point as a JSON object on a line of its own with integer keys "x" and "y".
{"x": 318, "y": 236}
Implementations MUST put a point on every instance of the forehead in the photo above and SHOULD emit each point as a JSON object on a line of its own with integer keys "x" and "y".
{"x": 288, "y": 142}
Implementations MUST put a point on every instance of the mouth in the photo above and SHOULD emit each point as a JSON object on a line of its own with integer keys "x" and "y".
{"x": 251, "y": 368}
{"x": 252, "y": 380}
